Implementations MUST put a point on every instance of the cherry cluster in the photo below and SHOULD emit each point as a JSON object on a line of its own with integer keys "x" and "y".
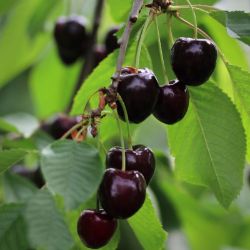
{"x": 193, "y": 61}
{"x": 73, "y": 40}
{"x": 121, "y": 194}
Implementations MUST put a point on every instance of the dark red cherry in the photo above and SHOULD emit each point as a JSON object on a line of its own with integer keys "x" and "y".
{"x": 71, "y": 38}
{"x": 59, "y": 125}
{"x": 95, "y": 228}
{"x": 172, "y": 104}
{"x": 33, "y": 175}
{"x": 193, "y": 60}
{"x": 111, "y": 41}
{"x": 100, "y": 53}
{"x": 140, "y": 158}
{"x": 122, "y": 193}
{"x": 139, "y": 90}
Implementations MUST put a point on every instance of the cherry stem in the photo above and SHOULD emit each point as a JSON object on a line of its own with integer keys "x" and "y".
{"x": 126, "y": 119}
{"x": 137, "y": 5}
{"x": 170, "y": 33}
{"x": 195, "y": 19}
{"x": 142, "y": 37}
{"x": 75, "y": 127}
{"x": 204, "y": 34}
{"x": 89, "y": 99}
{"x": 160, "y": 50}
{"x": 79, "y": 132}
{"x": 121, "y": 139}
{"x": 196, "y": 6}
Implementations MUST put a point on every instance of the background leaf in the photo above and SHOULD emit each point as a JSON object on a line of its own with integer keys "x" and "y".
{"x": 12, "y": 229}
{"x": 147, "y": 227}
{"x": 46, "y": 227}
{"x": 9, "y": 157}
{"x": 26, "y": 124}
{"x": 210, "y": 143}
{"x": 73, "y": 170}
{"x": 18, "y": 51}
{"x": 52, "y": 95}
{"x": 17, "y": 189}
{"x": 236, "y": 21}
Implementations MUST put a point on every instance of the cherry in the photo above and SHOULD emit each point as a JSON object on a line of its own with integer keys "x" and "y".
{"x": 193, "y": 60}
{"x": 33, "y": 175}
{"x": 140, "y": 158}
{"x": 59, "y": 126}
{"x": 111, "y": 41}
{"x": 71, "y": 37}
{"x": 95, "y": 228}
{"x": 100, "y": 53}
{"x": 172, "y": 103}
{"x": 139, "y": 90}
{"x": 122, "y": 193}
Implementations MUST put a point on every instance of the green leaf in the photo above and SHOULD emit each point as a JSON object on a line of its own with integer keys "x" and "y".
{"x": 12, "y": 229}
{"x": 6, "y": 5}
{"x": 47, "y": 229}
{"x": 206, "y": 226}
{"x": 18, "y": 51}
{"x": 73, "y": 170}
{"x": 10, "y": 157}
{"x": 119, "y": 9}
{"x": 26, "y": 124}
{"x": 40, "y": 16}
{"x": 16, "y": 188}
{"x": 241, "y": 92}
{"x": 101, "y": 76}
{"x": 60, "y": 83}
{"x": 236, "y": 21}
{"x": 147, "y": 227}
{"x": 209, "y": 144}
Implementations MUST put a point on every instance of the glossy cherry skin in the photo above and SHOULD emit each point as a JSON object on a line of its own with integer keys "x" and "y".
{"x": 59, "y": 126}
{"x": 71, "y": 38}
{"x": 122, "y": 193}
{"x": 193, "y": 60}
{"x": 140, "y": 158}
{"x": 95, "y": 228}
{"x": 172, "y": 104}
{"x": 111, "y": 41}
{"x": 139, "y": 90}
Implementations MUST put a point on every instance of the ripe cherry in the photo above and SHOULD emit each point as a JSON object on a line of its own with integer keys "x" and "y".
{"x": 193, "y": 60}
{"x": 33, "y": 175}
{"x": 140, "y": 158}
{"x": 111, "y": 41}
{"x": 59, "y": 126}
{"x": 71, "y": 37}
{"x": 122, "y": 193}
{"x": 172, "y": 103}
{"x": 139, "y": 90}
{"x": 95, "y": 228}
{"x": 100, "y": 53}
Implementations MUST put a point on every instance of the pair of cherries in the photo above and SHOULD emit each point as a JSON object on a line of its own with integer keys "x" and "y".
{"x": 72, "y": 40}
{"x": 193, "y": 61}
{"x": 121, "y": 194}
